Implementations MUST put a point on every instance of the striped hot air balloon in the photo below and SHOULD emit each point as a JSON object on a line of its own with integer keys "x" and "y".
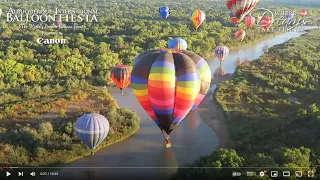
{"x": 167, "y": 84}
{"x": 177, "y": 44}
{"x": 241, "y": 8}
{"x": 197, "y": 17}
{"x": 266, "y": 22}
{"x": 92, "y": 129}
{"x": 120, "y": 75}
{"x": 303, "y": 12}
{"x": 240, "y": 35}
{"x": 221, "y": 52}
{"x": 249, "y": 21}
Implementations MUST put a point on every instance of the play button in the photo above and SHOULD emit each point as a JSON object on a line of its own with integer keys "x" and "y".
{"x": 8, "y": 174}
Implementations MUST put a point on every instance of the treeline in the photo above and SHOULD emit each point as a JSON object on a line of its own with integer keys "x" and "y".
{"x": 272, "y": 111}
{"x": 125, "y": 29}
{"x": 49, "y": 138}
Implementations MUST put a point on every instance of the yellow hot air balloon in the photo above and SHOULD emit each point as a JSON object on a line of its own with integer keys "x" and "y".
{"x": 197, "y": 17}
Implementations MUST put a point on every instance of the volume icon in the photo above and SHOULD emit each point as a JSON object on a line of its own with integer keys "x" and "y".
{"x": 33, "y": 174}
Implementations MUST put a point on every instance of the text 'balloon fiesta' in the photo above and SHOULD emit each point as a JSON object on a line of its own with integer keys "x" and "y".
{"x": 168, "y": 84}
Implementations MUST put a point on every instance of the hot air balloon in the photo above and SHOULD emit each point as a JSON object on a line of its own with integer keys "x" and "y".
{"x": 205, "y": 76}
{"x": 177, "y": 44}
{"x": 166, "y": 84}
{"x": 266, "y": 22}
{"x": 249, "y": 21}
{"x": 92, "y": 129}
{"x": 240, "y": 35}
{"x": 197, "y": 17}
{"x": 303, "y": 12}
{"x": 241, "y": 8}
{"x": 233, "y": 19}
{"x": 120, "y": 75}
{"x": 221, "y": 52}
{"x": 289, "y": 15}
{"x": 164, "y": 12}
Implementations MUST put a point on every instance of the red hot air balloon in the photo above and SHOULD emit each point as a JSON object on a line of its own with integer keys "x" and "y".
{"x": 240, "y": 8}
{"x": 266, "y": 22}
{"x": 240, "y": 35}
{"x": 250, "y": 20}
{"x": 303, "y": 13}
{"x": 121, "y": 76}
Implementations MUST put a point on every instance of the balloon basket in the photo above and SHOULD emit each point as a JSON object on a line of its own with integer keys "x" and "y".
{"x": 167, "y": 145}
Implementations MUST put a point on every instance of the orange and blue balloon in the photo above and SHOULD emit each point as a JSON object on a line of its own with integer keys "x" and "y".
{"x": 197, "y": 17}
{"x": 164, "y": 12}
{"x": 167, "y": 84}
{"x": 177, "y": 44}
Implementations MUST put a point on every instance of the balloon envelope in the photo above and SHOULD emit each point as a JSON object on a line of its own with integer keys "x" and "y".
{"x": 233, "y": 19}
{"x": 120, "y": 75}
{"x": 221, "y": 52}
{"x": 164, "y": 12}
{"x": 266, "y": 22}
{"x": 177, "y": 44}
{"x": 240, "y": 35}
{"x": 240, "y": 8}
{"x": 92, "y": 129}
{"x": 249, "y": 21}
{"x": 303, "y": 13}
{"x": 289, "y": 15}
{"x": 197, "y": 17}
{"x": 167, "y": 84}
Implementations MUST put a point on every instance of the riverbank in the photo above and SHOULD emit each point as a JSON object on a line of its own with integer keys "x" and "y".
{"x": 212, "y": 55}
{"x": 110, "y": 141}
{"x": 54, "y": 141}
{"x": 272, "y": 112}
{"x": 212, "y": 112}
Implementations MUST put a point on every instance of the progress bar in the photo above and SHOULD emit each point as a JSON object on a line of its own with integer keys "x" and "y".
{"x": 147, "y": 167}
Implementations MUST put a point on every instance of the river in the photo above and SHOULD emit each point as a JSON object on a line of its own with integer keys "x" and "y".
{"x": 142, "y": 155}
